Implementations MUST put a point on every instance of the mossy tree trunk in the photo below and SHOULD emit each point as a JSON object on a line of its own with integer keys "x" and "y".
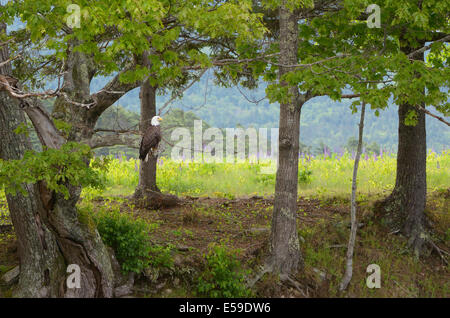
{"x": 42, "y": 267}
{"x": 79, "y": 243}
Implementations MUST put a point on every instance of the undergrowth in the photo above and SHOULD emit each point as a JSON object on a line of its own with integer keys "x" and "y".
{"x": 223, "y": 276}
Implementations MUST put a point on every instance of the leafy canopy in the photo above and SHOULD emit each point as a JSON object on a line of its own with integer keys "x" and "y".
{"x": 338, "y": 53}
{"x": 115, "y": 31}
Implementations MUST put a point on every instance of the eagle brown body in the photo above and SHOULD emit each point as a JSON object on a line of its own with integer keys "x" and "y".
{"x": 150, "y": 141}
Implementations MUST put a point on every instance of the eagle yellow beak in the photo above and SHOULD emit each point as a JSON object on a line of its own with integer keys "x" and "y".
{"x": 159, "y": 118}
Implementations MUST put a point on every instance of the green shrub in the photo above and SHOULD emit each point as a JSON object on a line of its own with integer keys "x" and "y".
{"x": 266, "y": 179}
{"x": 129, "y": 239}
{"x": 223, "y": 276}
{"x": 304, "y": 176}
{"x": 161, "y": 256}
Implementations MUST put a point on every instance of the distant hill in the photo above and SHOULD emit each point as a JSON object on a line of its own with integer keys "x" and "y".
{"x": 322, "y": 121}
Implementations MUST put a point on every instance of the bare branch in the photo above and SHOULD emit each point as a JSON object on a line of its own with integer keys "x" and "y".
{"x": 6, "y": 42}
{"x": 124, "y": 139}
{"x": 48, "y": 134}
{"x": 349, "y": 96}
{"x": 433, "y": 115}
{"x": 224, "y": 62}
{"x": 196, "y": 79}
{"x": 248, "y": 99}
{"x": 9, "y": 84}
{"x": 312, "y": 64}
{"x": 9, "y": 60}
{"x": 112, "y": 92}
{"x": 416, "y": 53}
{"x": 441, "y": 119}
{"x": 121, "y": 131}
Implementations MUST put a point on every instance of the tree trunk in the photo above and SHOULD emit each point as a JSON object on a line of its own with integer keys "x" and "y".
{"x": 354, "y": 225}
{"x": 41, "y": 262}
{"x": 147, "y": 169}
{"x": 285, "y": 257}
{"x": 405, "y": 206}
{"x": 147, "y": 193}
{"x": 80, "y": 243}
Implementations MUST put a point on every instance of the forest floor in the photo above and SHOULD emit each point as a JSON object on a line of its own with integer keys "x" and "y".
{"x": 243, "y": 225}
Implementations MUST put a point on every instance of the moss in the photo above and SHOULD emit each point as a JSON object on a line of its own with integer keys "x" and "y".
{"x": 7, "y": 293}
{"x": 85, "y": 218}
{"x": 4, "y": 269}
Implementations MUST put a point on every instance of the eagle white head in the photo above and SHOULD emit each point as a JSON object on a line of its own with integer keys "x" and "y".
{"x": 155, "y": 121}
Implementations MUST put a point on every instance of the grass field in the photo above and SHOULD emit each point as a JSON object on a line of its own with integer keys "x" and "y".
{"x": 318, "y": 176}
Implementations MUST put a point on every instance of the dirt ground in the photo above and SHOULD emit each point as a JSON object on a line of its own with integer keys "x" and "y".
{"x": 244, "y": 224}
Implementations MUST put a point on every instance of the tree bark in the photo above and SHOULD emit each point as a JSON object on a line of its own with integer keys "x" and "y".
{"x": 405, "y": 206}
{"x": 41, "y": 262}
{"x": 285, "y": 257}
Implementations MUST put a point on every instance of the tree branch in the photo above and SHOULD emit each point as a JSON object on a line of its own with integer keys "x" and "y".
{"x": 124, "y": 139}
{"x": 196, "y": 79}
{"x": 416, "y": 53}
{"x": 10, "y": 60}
{"x": 433, "y": 115}
{"x": 121, "y": 131}
{"x": 48, "y": 134}
{"x": 111, "y": 93}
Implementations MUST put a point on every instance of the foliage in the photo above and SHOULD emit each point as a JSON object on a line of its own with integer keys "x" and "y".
{"x": 223, "y": 277}
{"x": 129, "y": 239}
{"x": 113, "y": 31}
{"x": 304, "y": 175}
{"x": 4, "y": 211}
{"x": 376, "y": 65}
{"x": 57, "y": 167}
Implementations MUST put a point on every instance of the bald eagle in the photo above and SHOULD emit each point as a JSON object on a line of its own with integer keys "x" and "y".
{"x": 151, "y": 138}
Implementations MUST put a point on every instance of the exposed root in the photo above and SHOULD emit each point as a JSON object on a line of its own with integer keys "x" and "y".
{"x": 294, "y": 283}
{"x": 440, "y": 251}
{"x": 283, "y": 278}
{"x": 252, "y": 282}
{"x": 156, "y": 200}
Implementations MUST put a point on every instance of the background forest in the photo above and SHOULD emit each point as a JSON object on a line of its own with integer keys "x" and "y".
{"x": 323, "y": 121}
